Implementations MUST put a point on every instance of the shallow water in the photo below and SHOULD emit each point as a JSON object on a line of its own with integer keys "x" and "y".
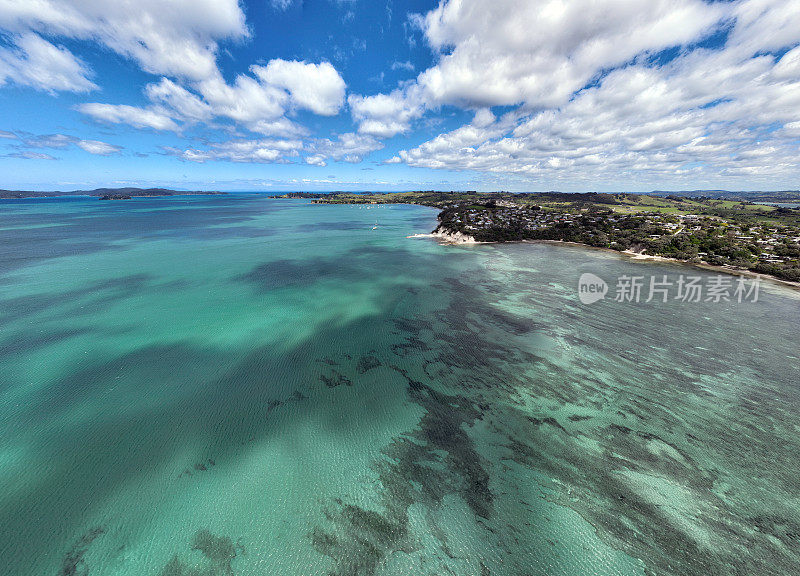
{"x": 207, "y": 386}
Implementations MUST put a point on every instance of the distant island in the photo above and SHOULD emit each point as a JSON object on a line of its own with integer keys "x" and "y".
{"x": 102, "y": 193}
{"x": 733, "y": 233}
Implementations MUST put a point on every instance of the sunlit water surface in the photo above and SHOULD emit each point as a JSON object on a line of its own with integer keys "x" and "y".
{"x": 217, "y": 386}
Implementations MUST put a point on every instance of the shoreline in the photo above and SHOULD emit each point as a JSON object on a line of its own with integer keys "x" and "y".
{"x": 638, "y": 256}
{"x": 731, "y": 270}
{"x": 461, "y": 239}
{"x": 458, "y": 238}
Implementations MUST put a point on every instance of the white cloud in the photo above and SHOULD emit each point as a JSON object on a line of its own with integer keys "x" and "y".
{"x": 282, "y": 127}
{"x": 157, "y": 119}
{"x": 764, "y": 25}
{"x": 258, "y": 151}
{"x": 179, "y": 100}
{"x": 506, "y": 52}
{"x": 178, "y": 40}
{"x": 28, "y": 155}
{"x": 35, "y": 62}
{"x": 46, "y": 140}
{"x": 407, "y": 66}
{"x": 385, "y": 115}
{"x": 349, "y": 147}
{"x": 258, "y": 102}
{"x": 57, "y": 141}
{"x": 175, "y": 38}
{"x": 588, "y": 102}
{"x": 711, "y": 114}
{"x": 246, "y": 101}
{"x": 315, "y": 87}
{"x": 316, "y": 160}
{"x": 258, "y": 107}
{"x": 98, "y": 148}
{"x": 653, "y": 123}
{"x": 535, "y": 54}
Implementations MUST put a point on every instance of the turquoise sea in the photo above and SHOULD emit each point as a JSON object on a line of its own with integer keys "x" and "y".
{"x": 220, "y": 386}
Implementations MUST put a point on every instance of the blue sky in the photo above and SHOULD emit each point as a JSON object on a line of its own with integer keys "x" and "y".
{"x": 369, "y": 95}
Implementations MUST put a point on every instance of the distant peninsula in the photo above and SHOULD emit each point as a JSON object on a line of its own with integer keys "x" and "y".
{"x": 104, "y": 193}
{"x": 735, "y": 233}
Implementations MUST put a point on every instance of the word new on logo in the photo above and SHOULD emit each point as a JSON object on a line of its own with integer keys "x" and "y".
{"x": 591, "y": 288}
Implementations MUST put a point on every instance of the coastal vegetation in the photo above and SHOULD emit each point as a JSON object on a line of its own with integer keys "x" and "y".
{"x": 736, "y": 233}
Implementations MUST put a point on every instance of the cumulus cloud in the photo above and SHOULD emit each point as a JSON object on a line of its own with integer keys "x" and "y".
{"x": 281, "y": 127}
{"x": 348, "y": 147}
{"x": 506, "y": 52}
{"x": 176, "y": 38}
{"x": 182, "y": 103}
{"x": 315, "y": 87}
{"x": 259, "y": 102}
{"x": 247, "y": 100}
{"x": 655, "y": 121}
{"x": 589, "y": 90}
{"x": 713, "y": 112}
{"x": 316, "y": 160}
{"x": 35, "y": 62}
{"x": 273, "y": 89}
{"x": 258, "y": 151}
{"x": 385, "y": 115}
{"x": 535, "y": 54}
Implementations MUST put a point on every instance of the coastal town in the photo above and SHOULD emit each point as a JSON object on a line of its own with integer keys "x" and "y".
{"x": 736, "y": 234}
{"x": 762, "y": 247}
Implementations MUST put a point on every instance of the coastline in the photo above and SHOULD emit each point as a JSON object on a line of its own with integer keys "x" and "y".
{"x": 731, "y": 270}
{"x": 457, "y": 238}
{"x": 632, "y": 255}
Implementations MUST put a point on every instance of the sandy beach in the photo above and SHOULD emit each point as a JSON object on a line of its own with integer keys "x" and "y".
{"x": 458, "y": 238}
